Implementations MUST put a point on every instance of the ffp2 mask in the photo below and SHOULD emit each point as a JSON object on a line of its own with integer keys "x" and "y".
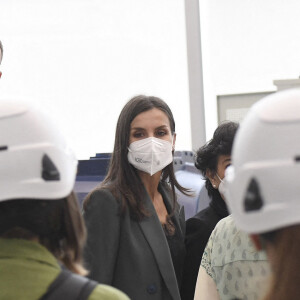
{"x": 150, "y": 155}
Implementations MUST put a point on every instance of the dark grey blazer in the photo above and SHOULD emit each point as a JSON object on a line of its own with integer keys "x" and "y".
{"x": 129, "y": 255}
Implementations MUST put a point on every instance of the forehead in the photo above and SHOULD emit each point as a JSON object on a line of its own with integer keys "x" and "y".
{"x": 150, "y": 118}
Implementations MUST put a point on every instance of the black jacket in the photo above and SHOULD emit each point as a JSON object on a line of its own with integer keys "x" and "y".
{"x": 198, "y": 230}
{"x": 130, "y": 255}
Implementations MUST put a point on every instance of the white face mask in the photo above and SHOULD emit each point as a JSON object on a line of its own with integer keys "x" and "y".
{"x": 150, "y": 155}
{"x": 221, "y": 187}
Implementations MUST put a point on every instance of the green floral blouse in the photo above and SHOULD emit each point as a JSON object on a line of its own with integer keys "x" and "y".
{"x": 239, "y": 271}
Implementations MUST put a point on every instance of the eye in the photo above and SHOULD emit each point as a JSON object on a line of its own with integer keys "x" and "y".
{"x": 161, "y": 133}
{"x": 138, "y": 134}
{"x": 227, "y": 165}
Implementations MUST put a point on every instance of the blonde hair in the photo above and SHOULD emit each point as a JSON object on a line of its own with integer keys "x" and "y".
{"x": 285, "y": 263}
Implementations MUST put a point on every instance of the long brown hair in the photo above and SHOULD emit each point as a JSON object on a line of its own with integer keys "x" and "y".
{"x": 285, "y": 261}
{"x": 122, "y": 178}
{"x": 57, "y": 224}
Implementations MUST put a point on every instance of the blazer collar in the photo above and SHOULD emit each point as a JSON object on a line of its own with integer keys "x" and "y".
{"x": 156, "y": 238}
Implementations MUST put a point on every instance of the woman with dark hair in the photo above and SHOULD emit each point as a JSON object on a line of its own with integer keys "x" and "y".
{"x": 211, "y": 159}
{"x": 135, "y": 226}
{"x": 41, "y": 227}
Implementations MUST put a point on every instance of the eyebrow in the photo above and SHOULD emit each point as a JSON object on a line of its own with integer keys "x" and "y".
{"x": 159, "y": 127}
{"x": 227, "y": 160}
{"x": 137, "y": 128}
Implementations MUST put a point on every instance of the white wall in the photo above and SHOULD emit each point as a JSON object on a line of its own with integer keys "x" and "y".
{"x": 247, "y": 44}
{"x": 82, "y": 60}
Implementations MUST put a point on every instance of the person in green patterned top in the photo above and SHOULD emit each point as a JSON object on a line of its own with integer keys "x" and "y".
{"x": 41, "y": 227}
{"x": 262, "y": 187}
{"x": 231, "y": 268}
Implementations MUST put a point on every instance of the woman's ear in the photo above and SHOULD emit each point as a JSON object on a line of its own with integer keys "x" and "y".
{"x": 211, "y": 176}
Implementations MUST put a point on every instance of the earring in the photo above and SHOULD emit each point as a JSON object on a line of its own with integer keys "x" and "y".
{"x": 214, "y": 186}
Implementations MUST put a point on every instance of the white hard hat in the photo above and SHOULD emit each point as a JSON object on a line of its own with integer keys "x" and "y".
{"x": 263, "y": 183}
{"x": 35, "y": 161}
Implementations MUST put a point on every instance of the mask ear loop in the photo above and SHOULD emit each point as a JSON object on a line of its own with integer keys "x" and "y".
{"x": 219, "y": 177}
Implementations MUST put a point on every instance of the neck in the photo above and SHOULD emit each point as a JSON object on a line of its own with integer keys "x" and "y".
{"x": 218, "y": 204}
{"x": 150, "y": 183}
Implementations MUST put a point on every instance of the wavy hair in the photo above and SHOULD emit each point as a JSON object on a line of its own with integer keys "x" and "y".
{"x": 221, "y": 144}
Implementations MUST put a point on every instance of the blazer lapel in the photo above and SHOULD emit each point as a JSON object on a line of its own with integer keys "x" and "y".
{"x": 156, "y": 238}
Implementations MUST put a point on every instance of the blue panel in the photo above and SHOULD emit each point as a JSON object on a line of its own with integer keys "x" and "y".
{"x": 190, "y": 177}
{"x": 94, "y": 167}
